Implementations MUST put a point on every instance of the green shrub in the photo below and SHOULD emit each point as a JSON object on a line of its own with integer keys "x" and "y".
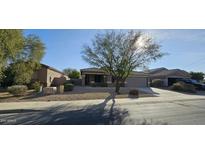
{"x": 183, "y": 87}
{"x": 17, "y": 90}
{"x": 98, "y": 84}
{"x": 157, "y": 83}
{"x": 68, "y": 87}
{"x": 76, "y": 82}
{"x": 134, "y": 93}
{"x": 36, "y": 86}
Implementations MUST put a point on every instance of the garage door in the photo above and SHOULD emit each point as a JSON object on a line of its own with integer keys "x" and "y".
{"x": 136, "y": 82}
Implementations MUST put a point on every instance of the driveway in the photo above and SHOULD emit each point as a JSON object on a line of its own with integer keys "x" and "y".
{"x": 168, "y": 95}
{"x": 167, "y": 107}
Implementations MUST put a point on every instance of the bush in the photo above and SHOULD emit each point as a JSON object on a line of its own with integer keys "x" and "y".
{"x": 72, "y": 73}
{"x": 68, "y": 87}
{"x": 181, "y": 86}
{"x": 98, "y": 84}
{"x": 17, "y": 90}
{"x": 76, "y": 82}
{"x": 134, "y": 93}
{"x": 157, "y": 83}
{"x": 36, "y": 86}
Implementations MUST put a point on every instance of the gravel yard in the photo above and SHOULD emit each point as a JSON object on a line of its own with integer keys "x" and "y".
{"x": 79, "y": 93}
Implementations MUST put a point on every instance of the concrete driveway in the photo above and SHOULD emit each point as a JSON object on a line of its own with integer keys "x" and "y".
{"x": 166, "y": 95}
{"x": 167, "y": 107}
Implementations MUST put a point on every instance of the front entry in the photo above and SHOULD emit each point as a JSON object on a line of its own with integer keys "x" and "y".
{"x": 90, "y": 78}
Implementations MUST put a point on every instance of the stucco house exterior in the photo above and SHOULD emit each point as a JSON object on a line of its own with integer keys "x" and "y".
{"x": 49, "y": 76}
{"x": 168, "y": 76}
{"x": 97, "y": 76}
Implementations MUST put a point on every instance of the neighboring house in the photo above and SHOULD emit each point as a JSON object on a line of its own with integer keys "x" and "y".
{"x": 168, "y": 76}
{"x": 49, "y": 76}
{"x": 99, "y": 77}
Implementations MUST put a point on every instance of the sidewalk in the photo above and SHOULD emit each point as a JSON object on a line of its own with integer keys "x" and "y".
{"x": 163, "y": 96}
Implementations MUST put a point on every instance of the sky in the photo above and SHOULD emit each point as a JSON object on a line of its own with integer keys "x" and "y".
{"x": 185, "y": 48}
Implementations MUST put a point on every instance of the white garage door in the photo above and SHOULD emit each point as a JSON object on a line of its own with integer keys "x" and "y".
{"x": 137, "y": 82}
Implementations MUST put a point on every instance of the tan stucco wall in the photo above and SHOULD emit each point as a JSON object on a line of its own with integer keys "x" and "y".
{"x": 47, "y": 77}
{"x": 51, "y": 75}
{"x": 40, "y": 75}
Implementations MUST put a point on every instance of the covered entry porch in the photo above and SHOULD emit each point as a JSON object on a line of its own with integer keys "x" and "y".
{"x": 95, "y": 77}
{"x": 92, "y": 79}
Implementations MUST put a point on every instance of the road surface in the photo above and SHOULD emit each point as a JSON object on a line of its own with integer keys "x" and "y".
{"x": 168, "y": 107}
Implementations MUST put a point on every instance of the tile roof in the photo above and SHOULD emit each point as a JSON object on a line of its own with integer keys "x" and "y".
{"x": 97, "y": 70}
{"x": 51, "y": 68}
{"x": 92, "y": 69}
{"x": 172, "y": 72}
{"x": 151, "y": 71}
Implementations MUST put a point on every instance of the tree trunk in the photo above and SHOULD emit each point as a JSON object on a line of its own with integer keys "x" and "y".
{"x": 117, "y": 87}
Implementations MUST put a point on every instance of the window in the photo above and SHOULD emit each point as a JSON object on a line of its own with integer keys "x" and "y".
{"x": 98, "y": 78}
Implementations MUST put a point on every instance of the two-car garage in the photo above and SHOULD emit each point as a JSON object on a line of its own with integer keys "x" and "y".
{"x": 169, "y": 76}
{"x": 141, "y": 79}
{"x": 138, "y": 79}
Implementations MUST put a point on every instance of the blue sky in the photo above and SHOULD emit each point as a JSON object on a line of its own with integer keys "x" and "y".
{"x": 185, "y": 48}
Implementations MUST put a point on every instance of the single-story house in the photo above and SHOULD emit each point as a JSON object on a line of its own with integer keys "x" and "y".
{"x": 168, "y": 76}
{"x": 49, "y": 76}
{"x": 97, "y": 76}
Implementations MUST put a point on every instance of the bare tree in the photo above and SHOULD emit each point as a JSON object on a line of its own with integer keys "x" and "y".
{"x": 119, "y": 53}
